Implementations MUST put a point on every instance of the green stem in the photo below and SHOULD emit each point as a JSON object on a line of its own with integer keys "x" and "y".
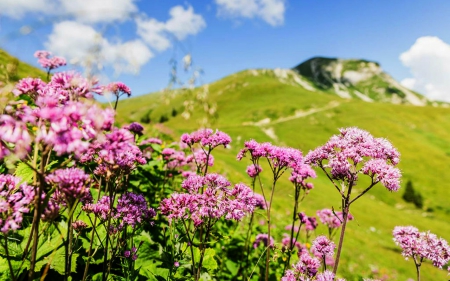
{"x": 11, "y": 271}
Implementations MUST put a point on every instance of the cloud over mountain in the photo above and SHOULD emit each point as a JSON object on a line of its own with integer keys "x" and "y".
{"x": 429, "y": 62}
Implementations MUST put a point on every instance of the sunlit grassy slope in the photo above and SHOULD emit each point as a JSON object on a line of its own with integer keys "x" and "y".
{"x": 305, "y": 119}
{"x": 12, "y": 69}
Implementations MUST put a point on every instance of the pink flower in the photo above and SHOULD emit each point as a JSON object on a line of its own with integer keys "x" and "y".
{"x": 332, "y": 220}
{"x": 346, "y": 152}
{"x": 322, "y": 247}
{"x": 209, "y": 197}
{"x": 253, "y": 170}
{"x": 15, "y": 200}
{"x": 207, "y": 138}
{"x": 71, "y": 183}
{"x": 420, "y": 245}
{"x": 118, "y": 89}
{"x": 264, "y": 239}
{"x": 48, "y": 62}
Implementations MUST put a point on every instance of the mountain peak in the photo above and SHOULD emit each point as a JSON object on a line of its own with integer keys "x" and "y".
{"x": 357, "y": 78}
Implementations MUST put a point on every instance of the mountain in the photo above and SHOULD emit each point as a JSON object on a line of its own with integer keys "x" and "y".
{"x": 358, "y": 79}
{"x": 286, "y": 108}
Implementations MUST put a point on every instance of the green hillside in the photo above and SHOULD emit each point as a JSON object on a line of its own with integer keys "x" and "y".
{"x": 278, "y": 106}
{"x": 11, "y": 71}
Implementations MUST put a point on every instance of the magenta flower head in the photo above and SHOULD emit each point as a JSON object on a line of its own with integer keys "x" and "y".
{"x": 253, "y": 170}
{"x": 332, "y": 219}
{"x": 48, "y": 62}
{"x": 355, "y": 151}
{"x": 422, "y": 245}
{"x": 306, "y": 269}
{"x": 322, "y": 247}
{"x": 118, "y": 89}
{"x": 15, "y": 200}
{"x": 29, "y": 86}
{"x": 71, "y": 184}
{"x": 209, "y": 196}
{"x": 14, "y": 132}
{"x": 132, "y": 210}
{"x": 264, "y": 239}
{"x": 207, "y": 138}
{"x": 79, "y": 225}
{"x": 135, "y": 128}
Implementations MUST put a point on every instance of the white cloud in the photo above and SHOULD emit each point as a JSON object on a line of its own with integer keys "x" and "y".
{"x": 81, "y": 44}
{"x": 18, "y": 8}
{"x": 429, "y": 62}
{"x": 93, "y": 11}
{"x": 271, "y": 11}
{"x": 152, "y": 32}
{"x": 182, "y": 23}
{"x": 76, "y": 37}
{"x": 90, "y": 11}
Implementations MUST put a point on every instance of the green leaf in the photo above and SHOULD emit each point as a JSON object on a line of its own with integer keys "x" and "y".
{"x": 24, "y": 172}
{"x": 51, "y": 164}
{"x": 57, "y": 261}
{"x": 232, "y": 267}
{"x": 209, "y": 263}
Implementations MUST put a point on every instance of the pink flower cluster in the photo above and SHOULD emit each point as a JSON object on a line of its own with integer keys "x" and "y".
{"x": 15, "y": 200}
{"x": 14, "y": 132}
{"x": 72, "y": 127}
{"x": 206, "y": 138}
{"x": 56, "y": 119}
{"x": 264, "y": 239}
{"x": 209, "y": 197}
{"x": 279, "y": 157}
{"x": 356, "y": 151}
{"x": 200, "y": 158}
{"x": 422, "y": 245}
{"x": 62, "y": 88}
{"x": 118, "y": 89}
{"x": 117, "y": 154}
{"x": 253, "y": 170}
{"x": 332, "y": 220}
{"x": 131, "y": 210}
{"x": 308, "y": 267}
{"x": 295, "y": 275}
{"x": 309, "y": 222}
{"x": 322, "y": 247}
{"x": 48, "y": 62}
{"x": 286, "y": 242}
{"x": 135, "y": 128}
{"x": 71, "y": 184}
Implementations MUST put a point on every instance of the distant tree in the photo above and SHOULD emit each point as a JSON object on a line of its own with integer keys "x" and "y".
{"x": 146, "y": 117}
{"x": 174, "y": 112}
{"x": 163, "y": 118}
{"x": 412, "y": 196}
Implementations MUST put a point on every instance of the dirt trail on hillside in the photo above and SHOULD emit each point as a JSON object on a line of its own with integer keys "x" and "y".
{"x": 270, "y": 132}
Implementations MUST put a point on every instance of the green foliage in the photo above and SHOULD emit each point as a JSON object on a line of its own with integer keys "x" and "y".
{"x": 24, "y": 172}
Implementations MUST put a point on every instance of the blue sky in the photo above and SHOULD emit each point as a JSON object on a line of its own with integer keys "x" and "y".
{"x": 408, "y": 38}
